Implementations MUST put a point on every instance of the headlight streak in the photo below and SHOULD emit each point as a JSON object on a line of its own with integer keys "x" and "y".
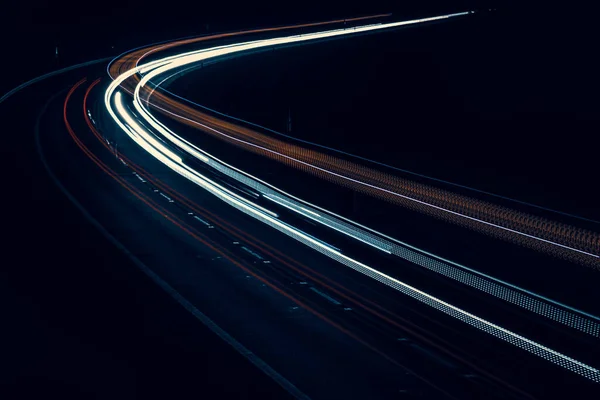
{"x": 194, "y": 234}
{"x": 292, "y": 264}
{"x": 138, "y": 106}
{"x": 160, "y": 151}
{"x": 534, "y": 240}
{"x": 307, "y": 213}
{"x": 191, "y": 39}
{"x": 361, "y": 183}
{"x": 535, "y": 305}
{"x": 314, "y": 239}
{"x": 264, "y": 128}
{"x": 175, "y": 163}
{"x": 498, "y": 289}
{"x": 266, "y": 217}
{"x": 508, "y": 292}
{"x": 128, "y": 60}
{"x": 134, "y": 126}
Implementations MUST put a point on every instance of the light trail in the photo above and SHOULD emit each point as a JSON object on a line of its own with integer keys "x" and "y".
{"x": 367, "y": 185}
{"x": 130, "y": 59}
{"x": 535, "y": 232}
{"x": 272, "y": 283}
{"x": 316, "y": 217}
{"x": 159, "y": 151}
{"x": 332, "y": 285}
{"x": 556, "y": 311}
{"x": 344, "y": 153}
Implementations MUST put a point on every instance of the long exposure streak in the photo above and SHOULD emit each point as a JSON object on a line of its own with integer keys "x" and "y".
{"x": 532, "y": 231}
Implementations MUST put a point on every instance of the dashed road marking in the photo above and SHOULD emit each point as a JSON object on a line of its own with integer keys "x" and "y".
{"x": 326, "y": 296}
{"x": 253, "y": 253}
{"x": 167, "y": 197}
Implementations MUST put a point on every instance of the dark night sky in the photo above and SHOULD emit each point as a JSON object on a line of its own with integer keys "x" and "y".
{"x": 88, "y": 29}
{"x": 108, "y": 19}
{"x": 85, "y": 30}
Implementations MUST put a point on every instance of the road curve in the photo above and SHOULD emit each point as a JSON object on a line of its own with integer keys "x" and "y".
{"x": 341, "y": 171}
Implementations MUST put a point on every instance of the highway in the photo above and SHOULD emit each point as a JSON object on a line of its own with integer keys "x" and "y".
{"x": 323, "y": 306}
{"x": 536, "y": 232}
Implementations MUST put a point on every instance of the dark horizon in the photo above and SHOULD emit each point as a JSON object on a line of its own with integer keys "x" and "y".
{"x": 42, "y": 25}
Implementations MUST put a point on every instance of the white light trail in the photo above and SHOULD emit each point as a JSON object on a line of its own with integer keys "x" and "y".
{"x": 316, "y": 217}
{"x": 133, "y": 125}
{"x": 537, "y": 304}
{"x": 189, "y": 58}
{"x": 167, "y": 157}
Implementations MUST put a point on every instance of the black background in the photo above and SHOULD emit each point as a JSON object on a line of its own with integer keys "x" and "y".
{"x": 91, "y": 348}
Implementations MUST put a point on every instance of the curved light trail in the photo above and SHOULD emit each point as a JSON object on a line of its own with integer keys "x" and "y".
{"x": 556, "y": 311}
{"x": 167, "y": 152}
{"x": 344, "y": 153}
{"x": 305, "y": 271}
{"x": 536, "y": 232}
{"x": 526, "y": 299}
